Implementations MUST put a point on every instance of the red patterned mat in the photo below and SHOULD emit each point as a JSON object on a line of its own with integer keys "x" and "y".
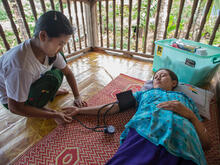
{"x": 73, "y": 144}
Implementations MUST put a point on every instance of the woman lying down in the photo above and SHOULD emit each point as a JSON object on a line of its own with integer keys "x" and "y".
{"x": 165, "y": 130}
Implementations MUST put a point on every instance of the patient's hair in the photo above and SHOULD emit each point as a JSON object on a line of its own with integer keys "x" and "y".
{"x": 54, "y": 23}
{"x": 171, "y": 73}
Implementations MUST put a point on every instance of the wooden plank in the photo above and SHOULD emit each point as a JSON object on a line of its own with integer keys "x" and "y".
{"x": 61, "y": 5}
{"x": 20, "y": 6}
{"x": 195, "y": 4}
{"x": 122, "y": 18}
{"x": 52, "y": 5}
{"x": 208, "y": 5}
{"x": 91, "y": 21}
{"x": 179, "y": 17}
{"x": 78, "y": 52}
{"x": 167, "y": 18}
{"x": 126, "y": 52}
{"x": 68, "y": 48}
{"x": 84, "y": 0}
{"x": 156, "y": 24}
{"x": 83, "y": 21}
{"x": 7, "y": 46}
{"x": 69, "y": 11}
{"x": 43, "y": 6}
{"x": 214, "y": 31}
{"x": 138, "y": 23}
{"x": 129, "y": 24}
{"x": 146, "y": 26}
{"x": 100, "y": 22}
{"x": 9, "y": 13}
{"x": 33, "y": 8}
{"x": 77, "y": 23}
{"x": 107, "y": 23}
{"x": 114, "y": 26}
{"x": 71, "y": 21}
{"x": 93, "y": 9}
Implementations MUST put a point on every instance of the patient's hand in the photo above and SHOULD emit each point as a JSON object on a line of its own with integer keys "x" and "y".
{"x": 71, "y": 111}
{"x": 178, "y": 108}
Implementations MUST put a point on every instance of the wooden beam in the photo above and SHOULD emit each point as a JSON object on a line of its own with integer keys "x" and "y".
{"x": 156, "y": 24}
{"x": 138, "y": 23}
{"x": 77, "y": 23}
{"x": 33, "y": 8}
{"x": 7, "y": 46}
{"x": 168, "y": 18}
{"x": 179, "y": 18}
{"x": 129, "y": 25}
{"x": 122, "y": 18}
{"x": 9, "y": 13}
{"x": 43, "y": 6}
{"x": 78, "y": 52}
{"x": 208, "y": 5}
{"x": 23, "y": 17}
{"x": 91, "y": 21}
{"x": 83, "y": 21}
{"x": 146, "y": 26}
{"x": 195, "y": 4}
{"x": 107, "y": 23}
{"x": 52, "y": 4}
{"x": 214, "y": 30}
{"x": 126, "y": 52}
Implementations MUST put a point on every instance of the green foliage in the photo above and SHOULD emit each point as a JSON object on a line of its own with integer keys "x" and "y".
{"x": 3, "y": 14}
{"x": 143, "y": 12}
{"x": 57, "y": 6}
{"x": 171, "y": 26}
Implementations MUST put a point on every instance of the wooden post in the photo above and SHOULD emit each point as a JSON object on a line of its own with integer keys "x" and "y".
{"x": 33, "y": 8}
{"x": 9, "y": 13}
{"x": 91, "y": 21}
{"x": 214, "y": 31}
{"x": 83, "y": 21}
{"x": 146, "y": 26}
{"x": 2, "y": 34}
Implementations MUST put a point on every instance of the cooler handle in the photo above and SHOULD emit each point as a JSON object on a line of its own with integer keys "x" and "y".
{"x": 215, "y": 60}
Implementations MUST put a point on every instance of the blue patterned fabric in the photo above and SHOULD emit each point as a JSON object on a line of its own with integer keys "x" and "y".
{"x": 176, "y": 133}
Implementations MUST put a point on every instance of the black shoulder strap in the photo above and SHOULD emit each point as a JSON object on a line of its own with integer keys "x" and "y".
{"x": 52, "y": 59}
{"x": 63, "y": 56}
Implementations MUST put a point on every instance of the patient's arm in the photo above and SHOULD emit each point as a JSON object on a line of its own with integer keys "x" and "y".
{"x": 182, "y": 110}
{"x": 92, "y": 110}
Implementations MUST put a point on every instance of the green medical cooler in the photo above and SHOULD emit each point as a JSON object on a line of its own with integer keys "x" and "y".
{"x": 190, "y": 67}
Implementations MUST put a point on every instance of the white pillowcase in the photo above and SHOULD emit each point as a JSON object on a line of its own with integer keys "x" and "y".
{"x": 200, "y": 96}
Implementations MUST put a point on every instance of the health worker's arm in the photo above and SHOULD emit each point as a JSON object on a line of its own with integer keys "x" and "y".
{"x": 72, "y": 82}
{"x": 20, "y": 108}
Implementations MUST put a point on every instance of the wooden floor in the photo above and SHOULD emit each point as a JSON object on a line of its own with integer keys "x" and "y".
{"x": 92, "y": 71}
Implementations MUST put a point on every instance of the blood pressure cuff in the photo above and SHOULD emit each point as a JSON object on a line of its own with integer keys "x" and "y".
{"x": 44, "y": 89}
{"x": 126, "y": 100}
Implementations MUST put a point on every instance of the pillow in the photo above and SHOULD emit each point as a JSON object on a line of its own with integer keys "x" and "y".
{"x": 200, "y": 96}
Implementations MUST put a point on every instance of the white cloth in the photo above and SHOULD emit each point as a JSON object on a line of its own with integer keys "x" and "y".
{"x": 19, "y": 68}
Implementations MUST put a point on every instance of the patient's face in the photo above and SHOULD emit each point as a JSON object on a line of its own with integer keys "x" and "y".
{"x": 163, "y": 80}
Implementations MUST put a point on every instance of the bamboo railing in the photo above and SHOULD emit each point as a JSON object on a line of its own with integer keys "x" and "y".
{"x": 104, "y": 24}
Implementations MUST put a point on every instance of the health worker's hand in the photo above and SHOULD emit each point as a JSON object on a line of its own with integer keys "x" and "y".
{"x": 79, "y": 102}
{"x": 63, "y": 118}
{"x": 71, "y": 111}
